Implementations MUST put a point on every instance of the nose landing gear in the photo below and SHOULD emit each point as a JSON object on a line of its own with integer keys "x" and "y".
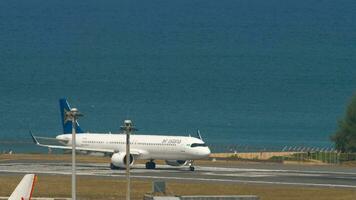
{"x": 191, "y": 165}
{"x": 113, "y": 167}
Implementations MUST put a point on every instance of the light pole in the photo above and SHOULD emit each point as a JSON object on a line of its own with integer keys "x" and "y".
{"x": 72, "y": 115}
{"x": 128, "y": 127}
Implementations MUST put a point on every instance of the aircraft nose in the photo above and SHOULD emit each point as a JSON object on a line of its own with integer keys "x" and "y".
{"x": 207, "y": 151}
{"x": 204, "y": 152}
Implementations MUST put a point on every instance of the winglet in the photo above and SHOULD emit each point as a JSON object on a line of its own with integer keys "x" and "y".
{"x": 33, "y": 138}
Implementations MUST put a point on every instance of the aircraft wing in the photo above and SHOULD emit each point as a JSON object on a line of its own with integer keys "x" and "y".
{"x": 25, "y": 188}
{"x": 134, "y": 152}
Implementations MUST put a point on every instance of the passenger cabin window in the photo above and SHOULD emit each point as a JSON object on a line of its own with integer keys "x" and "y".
{"x": 198, "y": 145}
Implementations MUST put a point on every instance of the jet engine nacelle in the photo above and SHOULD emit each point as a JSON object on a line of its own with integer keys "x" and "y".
{"x": 176, "y": 162}
{"x": 119, "y": 160}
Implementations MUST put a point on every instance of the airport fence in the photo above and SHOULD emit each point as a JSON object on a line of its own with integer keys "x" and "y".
{"x": 326, "y": 155}
{"x": 228, "y": 148}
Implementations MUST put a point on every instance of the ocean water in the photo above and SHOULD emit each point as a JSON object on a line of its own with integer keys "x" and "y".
{"x": 247, "y": 73}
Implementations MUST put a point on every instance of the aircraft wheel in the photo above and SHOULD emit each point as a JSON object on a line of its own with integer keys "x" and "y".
{"x": 150, "y": 165}
{"x": 112, "y": 166}
{"x": 191, "y": 168}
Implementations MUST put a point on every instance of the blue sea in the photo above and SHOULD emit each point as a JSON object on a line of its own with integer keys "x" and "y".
{"x": 246, "y": 73}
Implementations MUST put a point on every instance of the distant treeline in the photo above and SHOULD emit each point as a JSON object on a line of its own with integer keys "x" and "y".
{"x": 345, "y": 136}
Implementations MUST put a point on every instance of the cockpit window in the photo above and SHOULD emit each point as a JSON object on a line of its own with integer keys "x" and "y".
{"x": 198, "y": 145}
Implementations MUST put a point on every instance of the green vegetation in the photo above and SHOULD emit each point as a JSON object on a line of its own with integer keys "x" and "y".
{"x": 345, "y": 136}
{"x": 317, "y": 157}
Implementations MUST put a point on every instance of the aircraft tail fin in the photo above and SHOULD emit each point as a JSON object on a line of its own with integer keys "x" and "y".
{"x": 67, "y": 124}
{"x": 25, "y": 188}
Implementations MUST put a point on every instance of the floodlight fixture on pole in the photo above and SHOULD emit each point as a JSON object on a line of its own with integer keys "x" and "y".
{"x": 72, "y": 115}
{"x": 128, "y": 127}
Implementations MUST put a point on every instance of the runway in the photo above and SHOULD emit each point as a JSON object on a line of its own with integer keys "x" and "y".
{"x": 272, "y": 175}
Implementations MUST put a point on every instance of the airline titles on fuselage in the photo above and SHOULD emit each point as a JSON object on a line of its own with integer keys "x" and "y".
{"x": 166, "y": 142}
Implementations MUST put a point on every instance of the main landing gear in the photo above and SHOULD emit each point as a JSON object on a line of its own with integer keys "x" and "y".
{"x": 112, "y": 166}
{"x": 150, "y": 165}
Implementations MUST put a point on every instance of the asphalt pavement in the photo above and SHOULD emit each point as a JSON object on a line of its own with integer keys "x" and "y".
{"x": 271, "y": 174}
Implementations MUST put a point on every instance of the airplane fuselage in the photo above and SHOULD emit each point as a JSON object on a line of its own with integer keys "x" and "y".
{"x": 145, "y": 146}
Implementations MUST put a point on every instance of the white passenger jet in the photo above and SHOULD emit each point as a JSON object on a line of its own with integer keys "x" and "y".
{"x": 175, "y": 150}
